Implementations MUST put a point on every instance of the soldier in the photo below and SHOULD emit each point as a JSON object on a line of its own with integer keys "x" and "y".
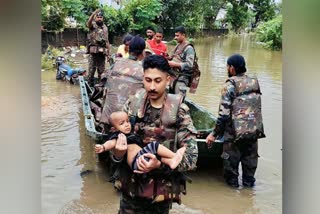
{"x": 125, "y": 77}
{"x": 239, "y": 122}
{"x": 182, "y": 60}
{"x": 98, "y": 46}
{"x": 156, "y": 115}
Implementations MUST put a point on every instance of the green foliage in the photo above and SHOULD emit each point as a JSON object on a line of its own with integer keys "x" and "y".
{"x": 238, "y": 15}
{"x": 52, "y": 16}
{"x": 53, "y": 13}
{"x": 135, "y": 15}
{"x": 89, "y": 6}
{"x": 142, "y": 13}
{"x": 265, "y": 10}
{"x": 270, "y": 33}
{"x": 74, "y": 8}
{"x": 46, "y": 63}
{"x": 48, "y": 59}
{"x": 188, "y": 13}
{"x": 118, "y": 21}
{"x": 210, "y": 11}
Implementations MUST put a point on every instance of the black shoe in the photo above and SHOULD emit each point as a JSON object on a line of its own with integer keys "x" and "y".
{"x": 247, "y": 184}
{"x": 233, "y": 183}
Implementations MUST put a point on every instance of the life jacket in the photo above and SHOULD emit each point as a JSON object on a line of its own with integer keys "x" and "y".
{"x": 98, "y": 39}
{"x": 157, "y": 185}
{"x": 123, "y": 80}
{"x": 194, "y": 73}
{"x": 246, "y": 109}
{"x": 166, "y": 131}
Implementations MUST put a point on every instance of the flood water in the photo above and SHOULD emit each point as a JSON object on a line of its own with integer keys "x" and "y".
{"x": 66, "y": 151}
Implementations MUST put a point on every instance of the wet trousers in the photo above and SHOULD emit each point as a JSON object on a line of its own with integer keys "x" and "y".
{"x": 247, "y": 154}
{"x": 130, "y": 205}
{"x": 96, "y": 62}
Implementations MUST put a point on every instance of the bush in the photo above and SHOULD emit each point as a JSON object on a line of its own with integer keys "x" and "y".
{"x": 270, "y": 33}
{"x": 47, "y": 59}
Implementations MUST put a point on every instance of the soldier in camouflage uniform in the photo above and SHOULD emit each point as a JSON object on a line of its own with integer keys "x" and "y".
{"x": 237, "y": 150}
{"x": 98, "y": 46}
{"x": 124, "y": 78}
{"x": 156, "y": 115}
{"x": 182, "y": 60}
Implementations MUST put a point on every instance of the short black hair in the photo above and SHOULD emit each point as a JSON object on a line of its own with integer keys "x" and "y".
{"x": 127, "y": 38}
{"x": 180, "y": 29}
{"x": 137, "y": 45}
{"x": 238, "y": 62}
{"x": 150, "y": 28}
{"x": 159, "y": 30}
{"x": 157, "y": 61}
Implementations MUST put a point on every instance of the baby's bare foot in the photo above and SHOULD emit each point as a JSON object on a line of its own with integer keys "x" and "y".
{"x": 177, "y": 158}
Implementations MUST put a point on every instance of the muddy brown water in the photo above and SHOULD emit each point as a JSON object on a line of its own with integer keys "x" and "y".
{"x": 66, "y": 151}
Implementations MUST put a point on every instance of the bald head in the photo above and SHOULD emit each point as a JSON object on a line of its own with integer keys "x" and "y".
{"x": 120, "y": 121}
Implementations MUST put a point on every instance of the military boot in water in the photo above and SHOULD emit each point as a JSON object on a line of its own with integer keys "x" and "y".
{"x": 233, "y": 182}
{"x": 248, "y": 181}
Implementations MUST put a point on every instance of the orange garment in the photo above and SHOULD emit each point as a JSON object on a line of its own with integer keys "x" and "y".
{"x": 158, "y": 48}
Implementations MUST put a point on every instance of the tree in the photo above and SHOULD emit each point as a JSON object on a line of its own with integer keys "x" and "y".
{"x": 74, "y": 8}
{"x": 238, "y": 15}
{"x": 142, "y": 13}
{"x": 188, "y": 13}
{"x": 118, "y": 21}
{"x": 210, "y": 11}
{"x": 52, "y": 15}
{"x": 264, "y": 9}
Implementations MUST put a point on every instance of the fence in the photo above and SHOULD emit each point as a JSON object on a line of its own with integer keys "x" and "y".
{"x": 69, "y": 37}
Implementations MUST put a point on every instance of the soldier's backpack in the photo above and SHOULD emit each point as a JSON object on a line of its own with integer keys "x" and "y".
{"x": 246, "y": 109}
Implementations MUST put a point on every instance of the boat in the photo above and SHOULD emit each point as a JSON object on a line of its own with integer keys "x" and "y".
{"x": 202, "y": 119}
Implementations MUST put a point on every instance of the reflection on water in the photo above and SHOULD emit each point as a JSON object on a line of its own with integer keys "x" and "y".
{"x": 67, "y": 151}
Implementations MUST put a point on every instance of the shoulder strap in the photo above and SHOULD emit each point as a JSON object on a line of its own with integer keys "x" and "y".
{"x": 171, "y": 108}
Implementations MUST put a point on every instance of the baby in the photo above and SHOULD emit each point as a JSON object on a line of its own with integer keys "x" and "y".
{"x": 120, "y": 122}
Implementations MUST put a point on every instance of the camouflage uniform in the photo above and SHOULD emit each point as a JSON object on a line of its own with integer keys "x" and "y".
{"x": 183, "y": 53}
{"x": 98, "y": 49}
{"x": 234, "y": 152}
{"x": 162, "y": 186}
{"x": 124, "y": 78}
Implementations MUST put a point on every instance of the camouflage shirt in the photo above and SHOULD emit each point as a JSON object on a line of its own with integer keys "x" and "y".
{"x": 99, "y": 35}
{"x": 224, "y": 124}
{"x": 185, "y": 56}
{"x": 186, "y": 132}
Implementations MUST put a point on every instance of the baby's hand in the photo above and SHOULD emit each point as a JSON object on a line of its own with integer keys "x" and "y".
{"x": 99, "y": 148}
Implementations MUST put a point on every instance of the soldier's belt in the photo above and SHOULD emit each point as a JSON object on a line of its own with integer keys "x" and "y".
{"x": 97, "y": 49}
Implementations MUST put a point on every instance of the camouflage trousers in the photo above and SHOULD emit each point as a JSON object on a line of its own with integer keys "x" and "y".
{"x": 97, "y": 61}
{"x": 247, "y": 154}
{"x": 130, "y": 205}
